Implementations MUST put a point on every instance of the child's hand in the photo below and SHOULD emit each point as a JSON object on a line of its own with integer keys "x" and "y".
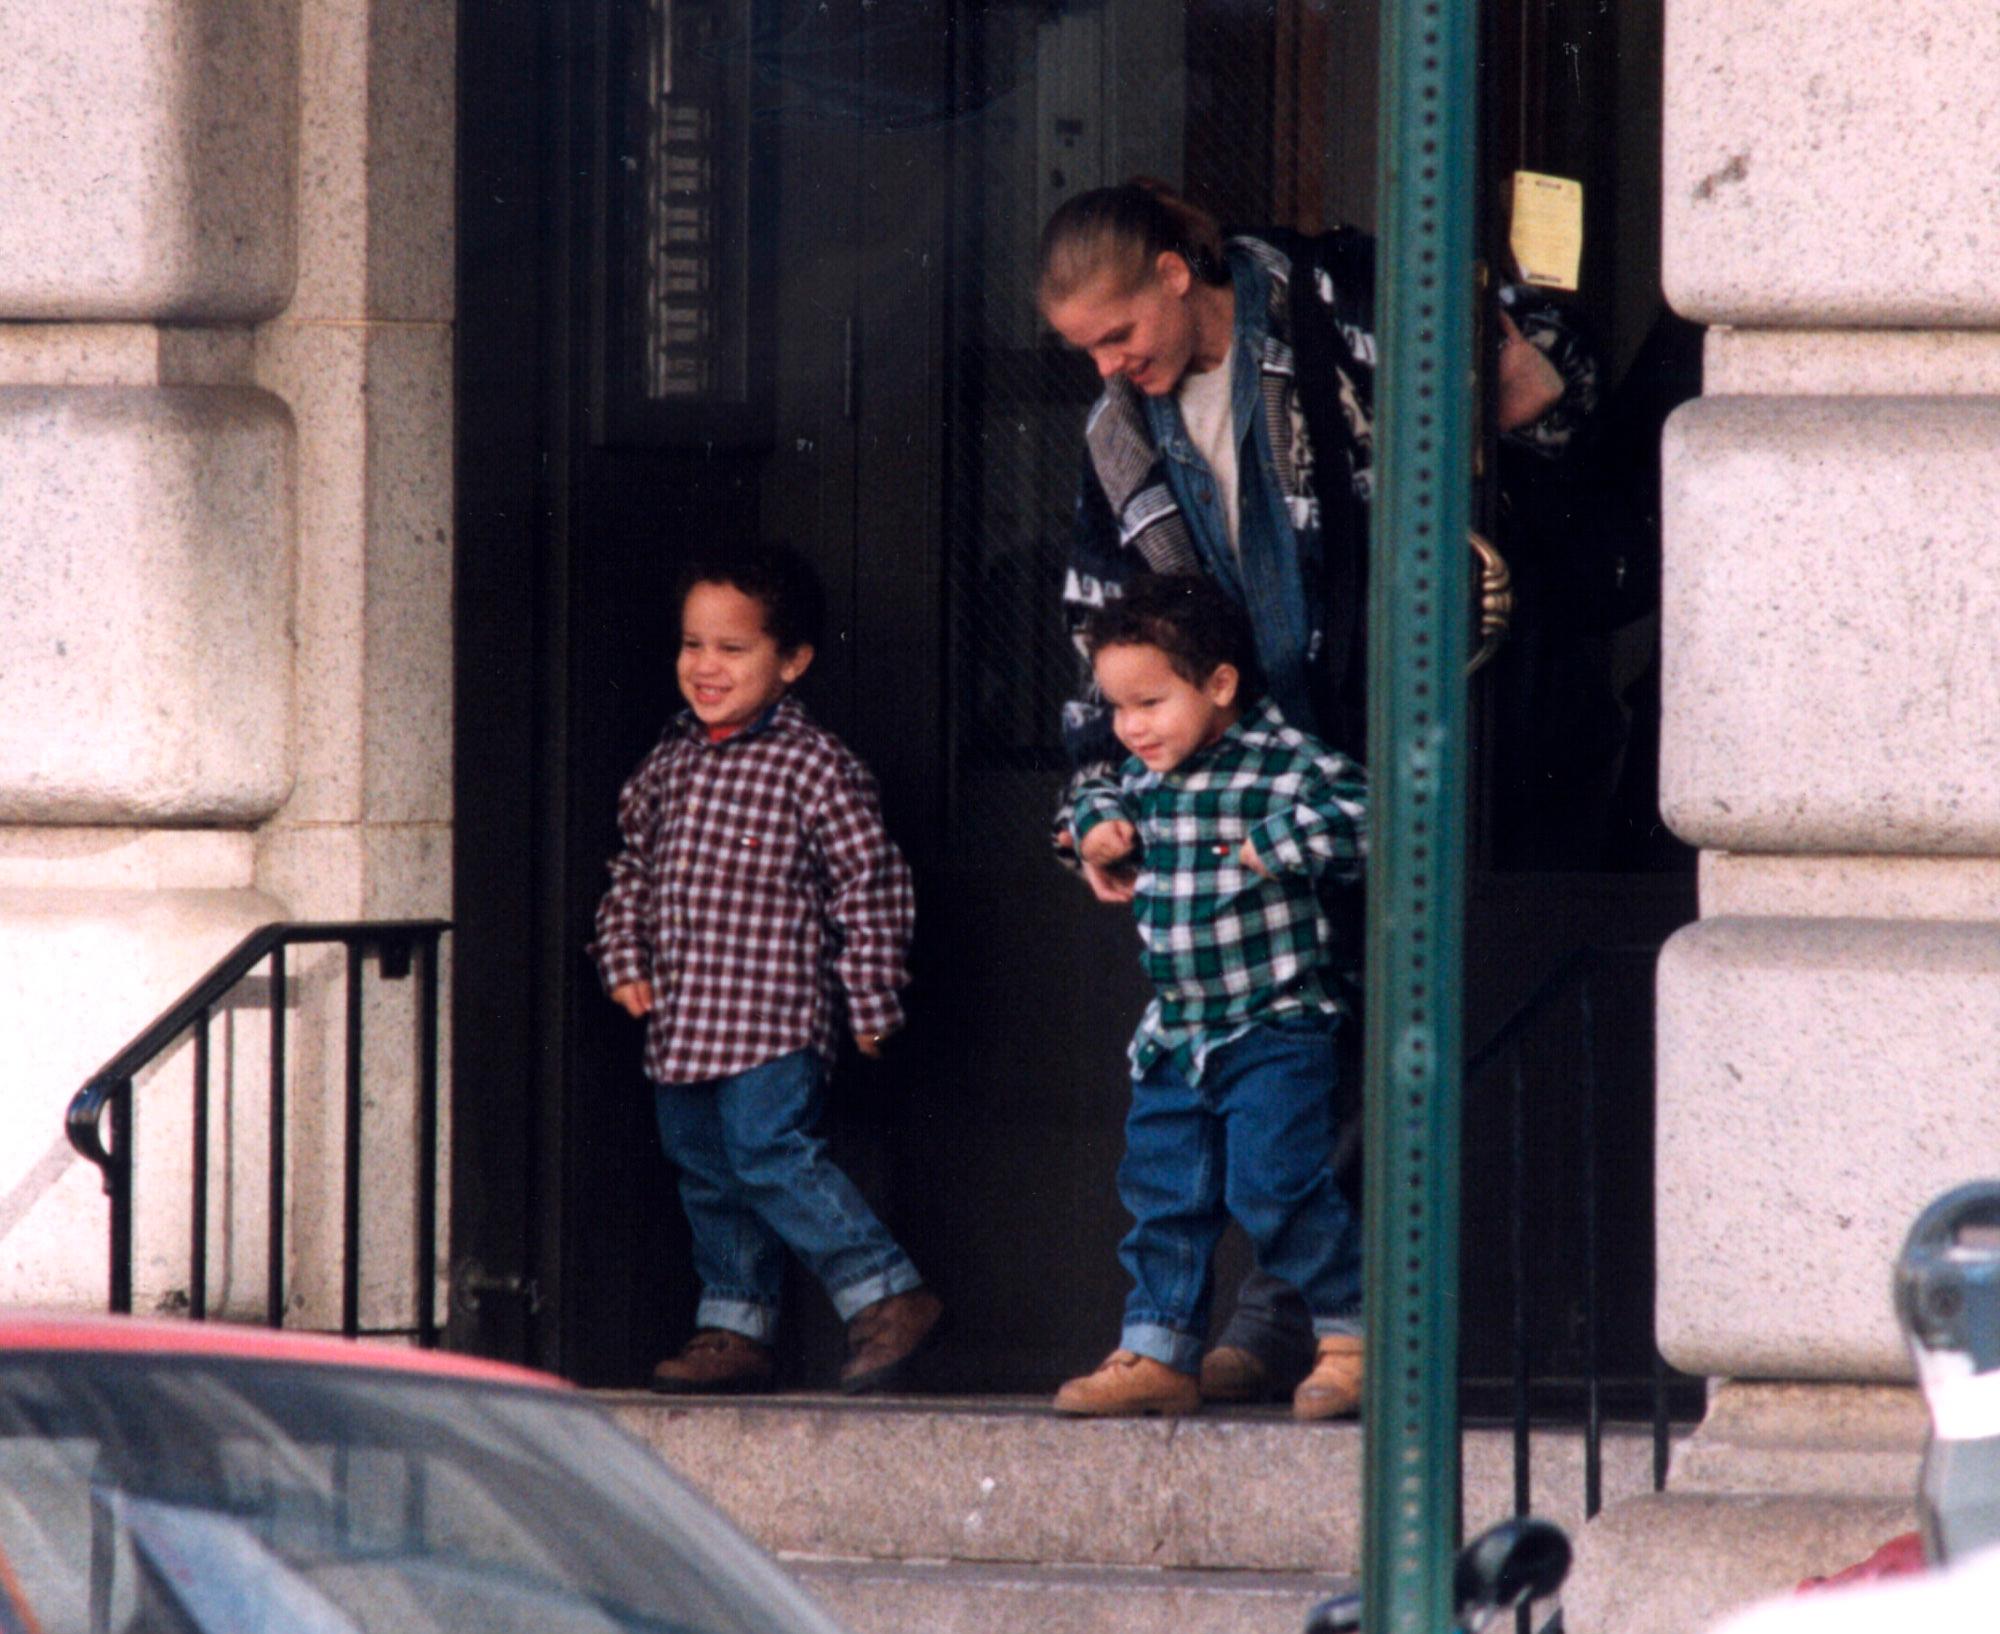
{"x": 870, "y": 1044}
{"x": 1250, "y": 860}
{"x": 1111, "y": 884}
{"x": 634, "y": 998}
{"x": 1109, "y": 843}
{"x": 1106, "y": 854}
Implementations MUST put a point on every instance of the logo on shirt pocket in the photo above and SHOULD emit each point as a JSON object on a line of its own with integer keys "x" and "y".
{"x": 756, "y": 854}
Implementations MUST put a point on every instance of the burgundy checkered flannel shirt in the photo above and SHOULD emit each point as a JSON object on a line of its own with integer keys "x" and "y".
{"x": 757, "y": 884}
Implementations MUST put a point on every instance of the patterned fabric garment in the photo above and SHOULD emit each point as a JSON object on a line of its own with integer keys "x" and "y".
{"x": 1227, "y": 950}
{"x": 757, "y": 885}
{"x": 1312, "y": 336}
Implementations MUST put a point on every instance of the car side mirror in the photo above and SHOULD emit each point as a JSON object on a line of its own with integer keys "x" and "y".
{"x": 1507, "y": 1566}
{"x": 1339, "y": 1615}
{"x": 1517, "y": 1561}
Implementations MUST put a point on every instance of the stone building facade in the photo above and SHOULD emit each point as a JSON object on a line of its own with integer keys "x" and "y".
{"x": 1829, "y": 1035}
{"x": 226, "y": 289}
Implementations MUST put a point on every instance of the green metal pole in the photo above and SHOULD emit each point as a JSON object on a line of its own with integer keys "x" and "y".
{"x": 1418, "y": 618}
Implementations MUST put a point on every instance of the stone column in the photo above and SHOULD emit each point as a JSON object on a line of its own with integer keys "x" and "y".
{"x": 363, "y": 356}
{"x": 147, "y": 504}
{"x": 1829, "y": 1042}
{"x": 225, "y": 540}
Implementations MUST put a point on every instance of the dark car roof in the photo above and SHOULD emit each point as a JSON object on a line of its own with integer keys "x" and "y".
{"x": 125, "y": 1335}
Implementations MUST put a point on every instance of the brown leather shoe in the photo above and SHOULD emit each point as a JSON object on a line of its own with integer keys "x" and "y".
{"x": 1231, "y": 1373}
{"x": 1333, "y": 1388}
{"x": 885, "y": 1337}
{"x": 1125, "y": 1386}
{"x": 715, "y": 1362}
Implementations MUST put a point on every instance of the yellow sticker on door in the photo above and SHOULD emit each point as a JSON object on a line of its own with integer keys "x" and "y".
{"x": 1547, "y": 235}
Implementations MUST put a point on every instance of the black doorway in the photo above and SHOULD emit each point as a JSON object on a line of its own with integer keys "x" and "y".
{"x": 834, "y": 432}
{"x": 866, "y": 378}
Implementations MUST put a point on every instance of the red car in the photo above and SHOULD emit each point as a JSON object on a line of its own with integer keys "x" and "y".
{"x": 182, "y": 1478}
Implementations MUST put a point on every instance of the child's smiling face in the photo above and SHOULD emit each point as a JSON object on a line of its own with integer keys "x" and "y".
{"x": 730, "y": 668}
{"x": 1157, "y": 712}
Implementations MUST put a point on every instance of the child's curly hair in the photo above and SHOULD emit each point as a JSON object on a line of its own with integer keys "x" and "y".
{"x": 778, "y": 579}
{"x": 1188, "y": 617}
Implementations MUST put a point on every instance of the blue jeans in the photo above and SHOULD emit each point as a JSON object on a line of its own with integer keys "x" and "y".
{"x": 1270, "y": 1320}
{"x": 755, "y": 1177}
{"x": 1251, "y": 1142}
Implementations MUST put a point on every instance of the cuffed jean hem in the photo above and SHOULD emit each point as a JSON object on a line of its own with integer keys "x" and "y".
{"x": 1328, "y": 1327}
{"x": 758, "y": 1322}
{"x": 856, "y": 1297}
{"x": 1271, "y": 1322}
{"x": 1180, "y": 1351}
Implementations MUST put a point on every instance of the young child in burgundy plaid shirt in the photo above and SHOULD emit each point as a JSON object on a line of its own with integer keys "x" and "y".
{"x": 757, "y": 890}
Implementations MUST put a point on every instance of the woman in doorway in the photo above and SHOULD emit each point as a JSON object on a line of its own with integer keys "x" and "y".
{"x": 1233, "y": 439}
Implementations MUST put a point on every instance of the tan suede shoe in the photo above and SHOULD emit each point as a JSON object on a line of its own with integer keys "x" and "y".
{"x": 1125, "y": 1386}
{"x": 715, "y": 1362}
{"x": 1231, "y": 1373}
{"x": 1333, "y": 1388}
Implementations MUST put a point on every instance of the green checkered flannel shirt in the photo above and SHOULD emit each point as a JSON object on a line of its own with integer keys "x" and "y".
{"x": 1226, "y": 949}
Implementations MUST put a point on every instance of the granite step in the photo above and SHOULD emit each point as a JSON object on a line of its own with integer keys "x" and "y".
{"x": 947, "y": 1598}
{"x": 1002, "y": 1481}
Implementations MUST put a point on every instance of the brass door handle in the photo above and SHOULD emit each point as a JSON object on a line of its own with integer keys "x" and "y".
{"x": 1496, "y": 599}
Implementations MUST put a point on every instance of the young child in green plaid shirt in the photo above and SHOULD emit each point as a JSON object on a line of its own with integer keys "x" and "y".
{"x": 1231, "y": 819}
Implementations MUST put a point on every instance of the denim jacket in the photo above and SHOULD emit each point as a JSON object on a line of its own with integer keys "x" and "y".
{"x": 1304, "y": 345}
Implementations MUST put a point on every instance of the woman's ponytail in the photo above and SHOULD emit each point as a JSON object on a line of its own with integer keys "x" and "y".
{"x": 1122, "y": 231}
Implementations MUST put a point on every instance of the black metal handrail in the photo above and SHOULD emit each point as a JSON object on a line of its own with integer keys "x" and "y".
{"x": 1573, "y": 975}
{"x": 398, "y": 946}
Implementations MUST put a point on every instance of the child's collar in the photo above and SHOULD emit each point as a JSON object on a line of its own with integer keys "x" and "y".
{"x": 1261, "y": 716}
{"x": 786, "y": 708}
{"x": 1229, "y": 734}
